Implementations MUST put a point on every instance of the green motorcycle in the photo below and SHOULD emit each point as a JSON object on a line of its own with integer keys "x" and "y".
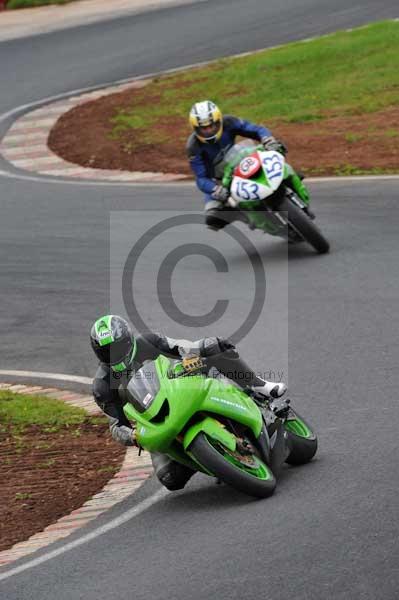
{"x": 213, "y": 427}
{"x": 270, "y": 194}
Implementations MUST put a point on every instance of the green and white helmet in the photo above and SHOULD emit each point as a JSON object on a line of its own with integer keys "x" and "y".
{"x": 113, "y": 342}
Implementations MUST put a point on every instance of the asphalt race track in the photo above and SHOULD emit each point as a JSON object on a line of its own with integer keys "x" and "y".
{"x": 329, "y": 326}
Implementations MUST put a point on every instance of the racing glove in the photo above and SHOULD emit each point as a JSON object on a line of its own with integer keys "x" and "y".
{"x": 270, "y": 143}
{"x": 220, "y": 193}
{"x": 133, "y": 437}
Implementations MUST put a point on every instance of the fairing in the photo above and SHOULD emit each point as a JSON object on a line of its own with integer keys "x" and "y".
{"x": 189, "y": 400}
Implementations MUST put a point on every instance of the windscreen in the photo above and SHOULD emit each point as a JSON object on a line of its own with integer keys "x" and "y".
{"x": 238, "y": 151}
{"x": 223, "y": 158}
{"x": 143, "y": 386}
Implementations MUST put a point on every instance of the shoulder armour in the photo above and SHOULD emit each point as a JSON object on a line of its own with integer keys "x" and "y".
{"x": 229, "y": 121}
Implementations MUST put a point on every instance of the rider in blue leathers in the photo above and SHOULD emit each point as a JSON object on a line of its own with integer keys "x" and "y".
{"x": 213, "y": 136}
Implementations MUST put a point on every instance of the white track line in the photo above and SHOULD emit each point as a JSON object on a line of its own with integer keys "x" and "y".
{"x": 84, "y": 182}
{"x": 99, "y": 183}
{"x": 351, "y": 178}
{"x": 56, "y": 376}
{"x": 145, "y": 504}
{"x": 129, "y": 514}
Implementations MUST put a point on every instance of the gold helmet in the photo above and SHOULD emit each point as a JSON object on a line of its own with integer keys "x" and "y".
{"x": 206, "y": 121}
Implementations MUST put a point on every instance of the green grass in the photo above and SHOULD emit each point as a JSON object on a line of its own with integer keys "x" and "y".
{"x": 348, "y": 170}
{"x": 352, "y": 138}
{"x": 20, "y": 411}
{"x": 23, "y": 495}
{"x": 31, "y": 3}
{"x": 345, "y": 73}
{"x": 108, "y": 469}
{"x": 391, "y": 133}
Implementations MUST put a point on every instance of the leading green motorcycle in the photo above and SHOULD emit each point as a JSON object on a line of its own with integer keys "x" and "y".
{"x": 213, "y": 427}
{"x": 265, "y": 188}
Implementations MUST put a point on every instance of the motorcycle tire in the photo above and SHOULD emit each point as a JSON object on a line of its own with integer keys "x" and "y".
{"x": 219, "y": 461}
{"x": 303, "y": 225}
{"x": 301, "y": 440}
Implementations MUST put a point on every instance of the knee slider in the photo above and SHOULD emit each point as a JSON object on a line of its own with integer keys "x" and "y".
{"x": 214, "y": 220}
{"x": 170, "y": 482}
{"x": 175, "y": 476}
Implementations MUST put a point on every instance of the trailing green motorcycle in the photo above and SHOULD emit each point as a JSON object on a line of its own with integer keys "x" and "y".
{"x": 212, "y": 426}
{"x": 270, "y": 194}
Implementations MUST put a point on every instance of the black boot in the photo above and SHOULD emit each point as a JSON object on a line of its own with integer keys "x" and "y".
{"x": 170, "y": 473}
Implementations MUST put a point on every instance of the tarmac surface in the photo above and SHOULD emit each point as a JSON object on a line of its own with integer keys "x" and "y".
{"x": 328, "y": 325}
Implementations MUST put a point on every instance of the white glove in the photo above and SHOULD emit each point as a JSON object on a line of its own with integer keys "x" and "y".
{"x": 220, "y": 193}
{"x": 270, "y": 143}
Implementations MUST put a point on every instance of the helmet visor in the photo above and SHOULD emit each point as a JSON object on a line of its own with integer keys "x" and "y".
{"x": 115, "y": 352}
{"x": 207, "y": 132}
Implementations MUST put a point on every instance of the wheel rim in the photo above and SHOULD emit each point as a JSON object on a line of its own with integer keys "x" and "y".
{"x": 250, "y": 464}
{"x": 299, "y": 428}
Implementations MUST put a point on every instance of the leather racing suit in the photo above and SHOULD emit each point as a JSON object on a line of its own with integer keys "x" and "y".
{"x": 108, "y": 390}
{"x": 207, "y": 163}
{"x": 207, "y": 159}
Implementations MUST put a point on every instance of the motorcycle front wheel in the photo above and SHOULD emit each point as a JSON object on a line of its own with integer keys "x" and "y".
{"x": 304, "y": 226}
{"x": 244, "y": 472}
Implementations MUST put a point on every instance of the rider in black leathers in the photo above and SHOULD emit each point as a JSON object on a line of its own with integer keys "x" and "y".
{"x": 121, "y": 354}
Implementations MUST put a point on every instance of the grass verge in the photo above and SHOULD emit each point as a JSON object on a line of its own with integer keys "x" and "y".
{"x": 33, "y": 3}
{"x": 333, "y": 100}
{"x": 18, "y": 411}
{"x": 345, "y": 73}
{"x": 53, "y": 458}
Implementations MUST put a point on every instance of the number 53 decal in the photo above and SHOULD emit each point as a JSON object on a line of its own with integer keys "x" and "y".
{"x": 246, "y": 190}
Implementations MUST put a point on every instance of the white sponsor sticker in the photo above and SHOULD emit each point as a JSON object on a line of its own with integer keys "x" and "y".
{"x": 147, "y": 399}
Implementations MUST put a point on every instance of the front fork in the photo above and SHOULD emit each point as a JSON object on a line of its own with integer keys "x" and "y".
{"x": 293, "y": 181}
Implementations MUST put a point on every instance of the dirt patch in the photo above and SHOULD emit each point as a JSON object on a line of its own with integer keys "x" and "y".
{"x": 83, "y": 136}
{"x": 45, "y": 475}
{"x": 335, "y": 145}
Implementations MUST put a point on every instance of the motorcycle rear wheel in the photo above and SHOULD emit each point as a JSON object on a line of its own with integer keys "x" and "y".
{"x": 301, "y": 439}
{"x": 256, "y": 479}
